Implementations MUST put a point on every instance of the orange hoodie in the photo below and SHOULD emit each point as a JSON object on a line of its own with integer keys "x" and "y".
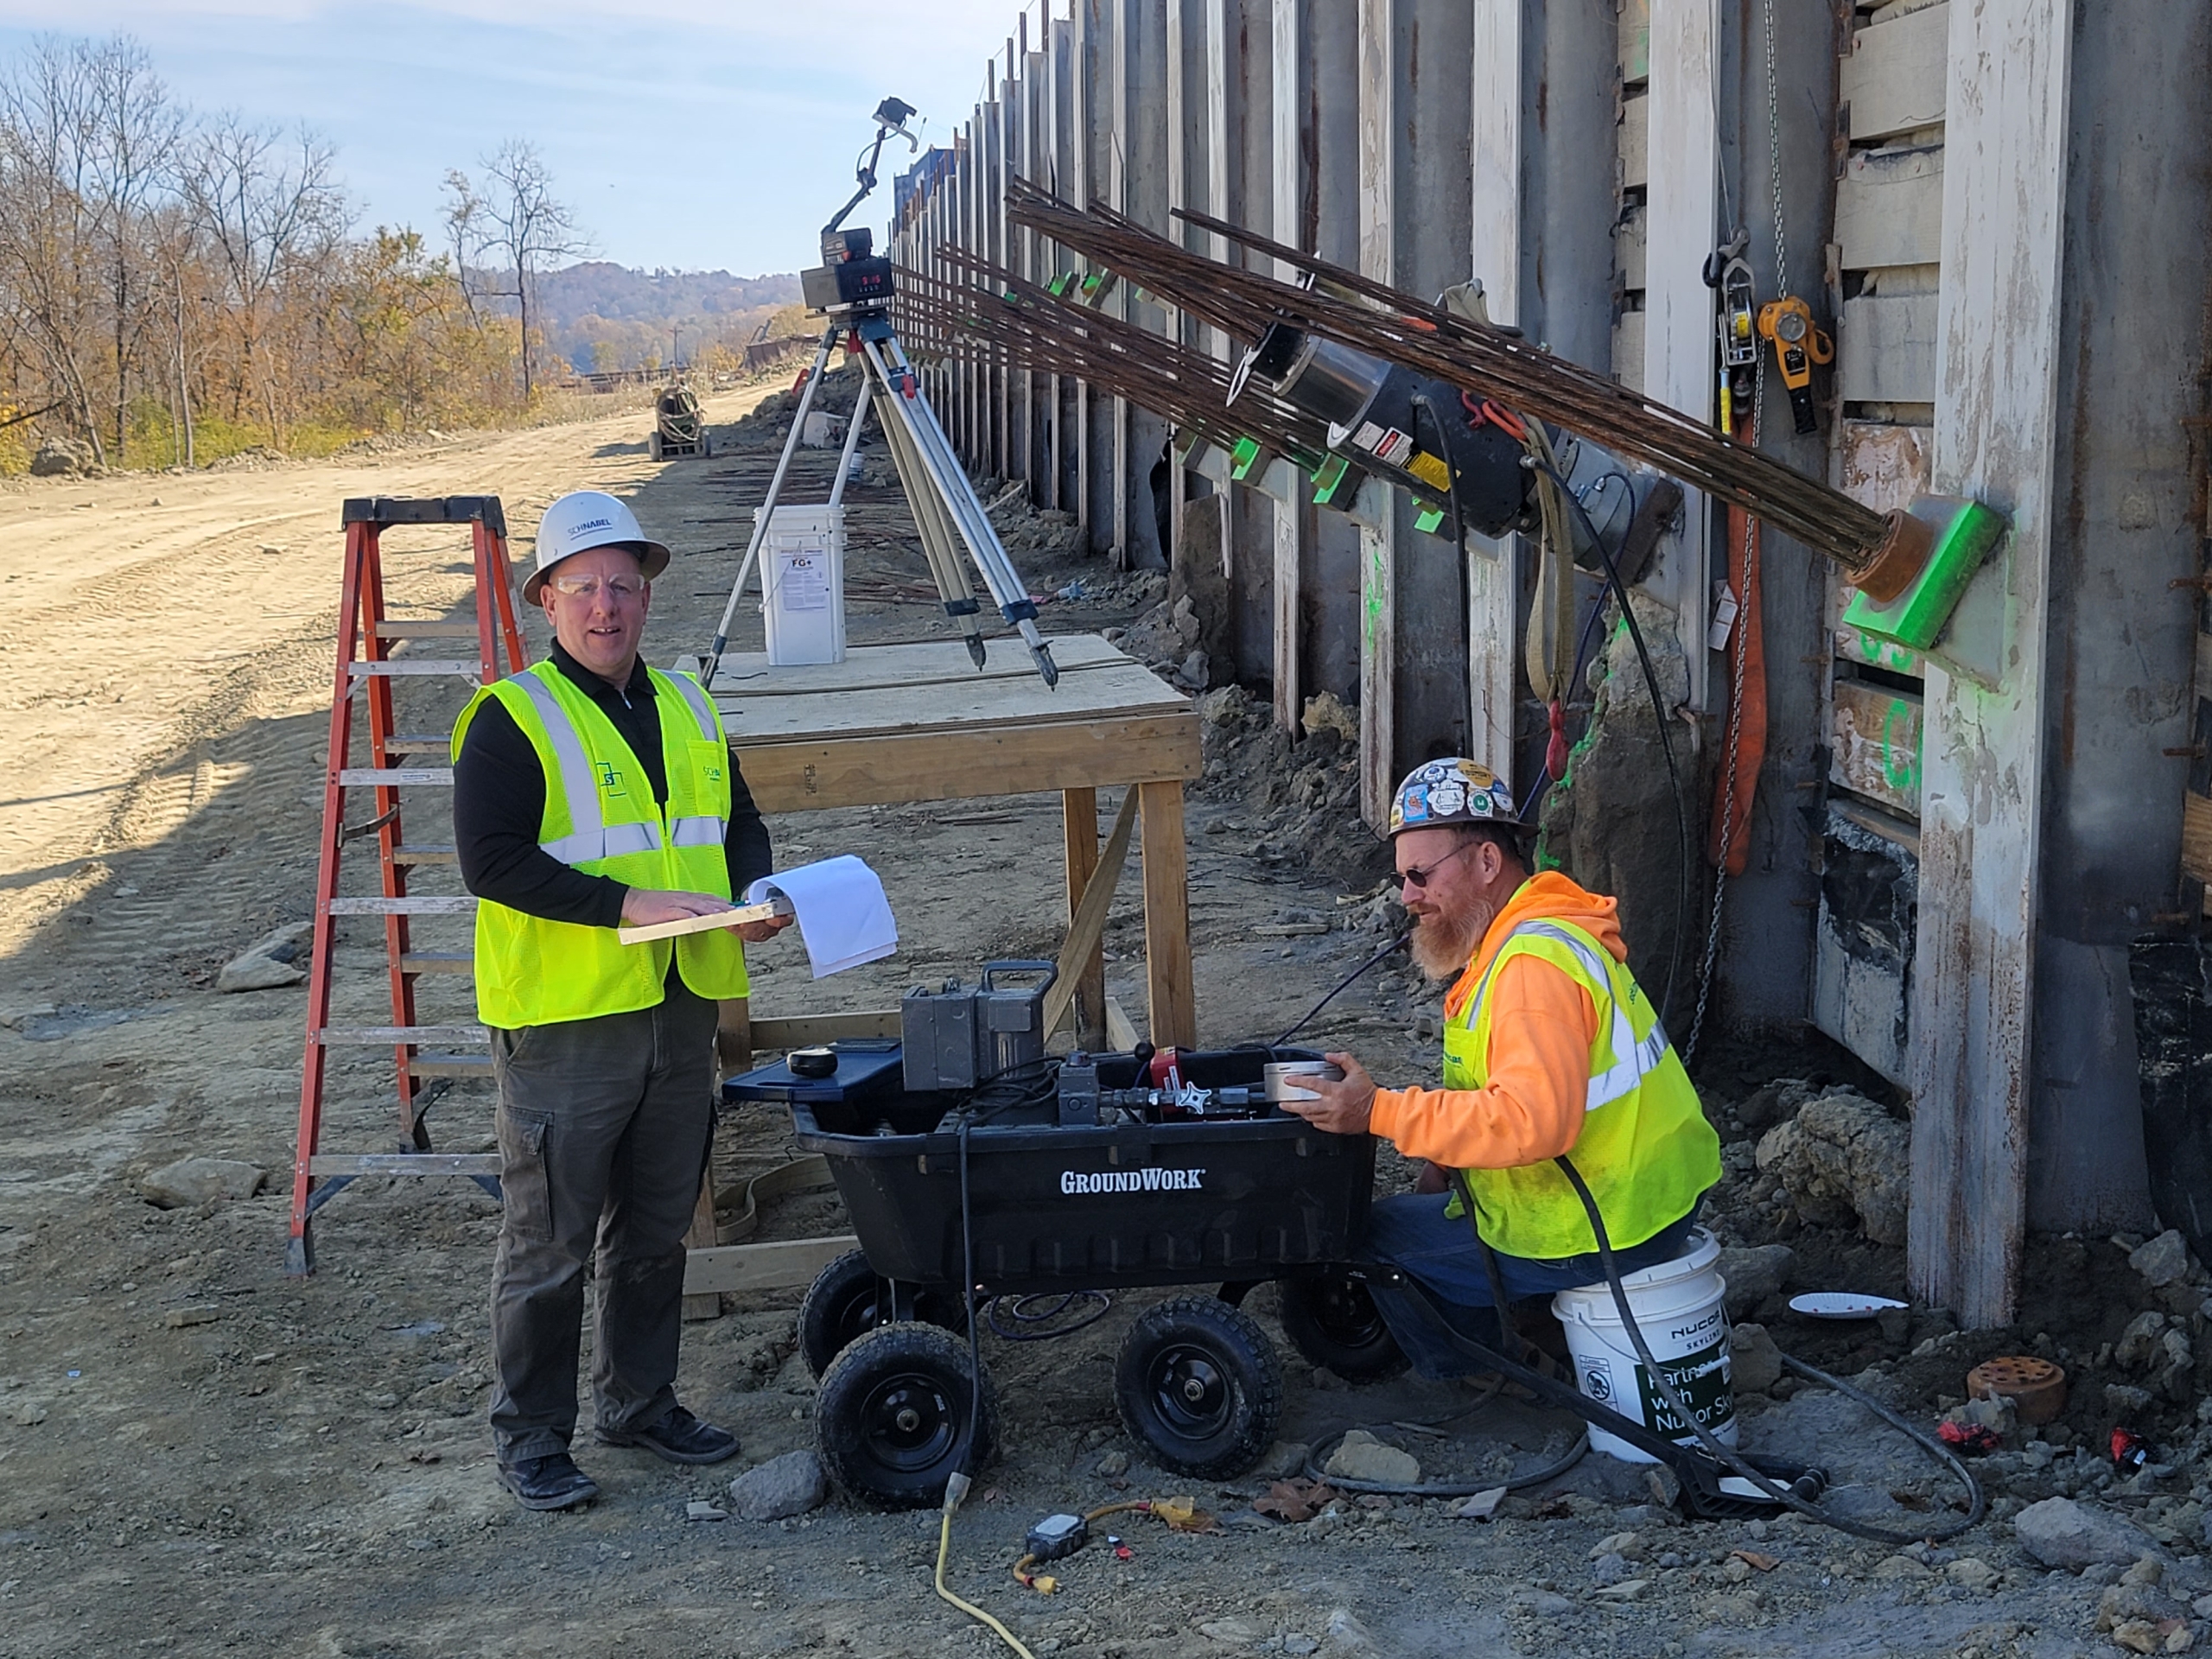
{"x": 1542, "y": 1024}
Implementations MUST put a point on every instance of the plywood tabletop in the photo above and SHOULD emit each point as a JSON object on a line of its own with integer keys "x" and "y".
{"x": 889, "y": 690}
{"x": 747, "y": 674}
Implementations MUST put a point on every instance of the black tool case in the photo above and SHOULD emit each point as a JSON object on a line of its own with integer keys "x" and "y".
{"x": 1189, "y": 1201}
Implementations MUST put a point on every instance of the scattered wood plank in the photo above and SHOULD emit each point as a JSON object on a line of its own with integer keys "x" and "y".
{"x": 782, "y": 1264}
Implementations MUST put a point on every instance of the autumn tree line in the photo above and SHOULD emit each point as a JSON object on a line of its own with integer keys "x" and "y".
{"x": 178, "y": 286}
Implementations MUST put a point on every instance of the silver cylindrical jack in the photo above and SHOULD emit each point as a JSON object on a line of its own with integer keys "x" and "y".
{"x": 1278, "y": 1074}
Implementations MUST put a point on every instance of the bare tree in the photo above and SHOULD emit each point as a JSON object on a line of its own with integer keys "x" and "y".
{"x": 47, "y": 231}
{"x": 270, "y": 208}
{"x": 518, "y": 220}
{"x": 464, "y": 230}
{"x": 133, "y": 135}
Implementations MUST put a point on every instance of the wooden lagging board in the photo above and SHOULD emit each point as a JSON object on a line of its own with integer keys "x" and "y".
{"x": 2196, "y": 801}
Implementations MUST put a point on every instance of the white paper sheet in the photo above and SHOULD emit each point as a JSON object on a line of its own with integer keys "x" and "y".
{"x": 843, "y": 914}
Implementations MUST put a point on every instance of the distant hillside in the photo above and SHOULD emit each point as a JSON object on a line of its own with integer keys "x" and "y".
{"x": 602, "y": 315}
{"x": 598, "y": 288}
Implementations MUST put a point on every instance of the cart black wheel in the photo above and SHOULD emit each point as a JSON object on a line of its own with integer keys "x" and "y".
{"x": 847, "y": 1300}
{"x": 891, "y": 1417}
{"x": 1331, "y": 1321}
{"x": 652, "y": 445}
{"x": 706, "y": 448}
{"x": 1198, "y": 1382}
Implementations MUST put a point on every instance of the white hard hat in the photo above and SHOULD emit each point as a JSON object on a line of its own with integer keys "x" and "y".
{"x": 581, "y": 520}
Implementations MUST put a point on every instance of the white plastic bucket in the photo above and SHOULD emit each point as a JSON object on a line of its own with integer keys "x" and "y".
{"x": 1678, "y": 1308}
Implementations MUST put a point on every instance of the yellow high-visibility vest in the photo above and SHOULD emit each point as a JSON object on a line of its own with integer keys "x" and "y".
{"x": 600, "y": 819}
{"x": 1645, "y": 1150}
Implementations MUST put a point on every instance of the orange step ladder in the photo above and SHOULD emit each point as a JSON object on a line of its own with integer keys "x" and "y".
{"x": 366, "y": 668}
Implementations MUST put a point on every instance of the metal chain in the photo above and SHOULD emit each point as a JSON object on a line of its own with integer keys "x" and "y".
{"x": 1743, "y": 575}
{"x": 1774, "y": 160}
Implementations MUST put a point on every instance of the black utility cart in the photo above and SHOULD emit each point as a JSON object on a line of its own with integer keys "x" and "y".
{"x": 1046, "y": 1184}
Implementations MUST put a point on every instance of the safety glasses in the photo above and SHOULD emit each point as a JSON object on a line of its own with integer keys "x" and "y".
{"x": 620, "y": 589}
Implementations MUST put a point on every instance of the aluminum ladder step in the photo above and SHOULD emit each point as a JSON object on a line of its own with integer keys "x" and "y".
{"x": 404, "y": 1163}
{"x": 426, "y": 905}
{"x": 400, "y": 627}
{"x": 392, "y": 777}
{"x": 450, "y": 1065}
{"x": 438, "y": 962}
{"x": 392, "y": 1036}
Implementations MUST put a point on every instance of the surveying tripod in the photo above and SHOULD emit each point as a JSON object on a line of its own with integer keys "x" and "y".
{"x": 854, "y": 289}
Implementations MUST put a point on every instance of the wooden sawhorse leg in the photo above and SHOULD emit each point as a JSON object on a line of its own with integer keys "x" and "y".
{"x": 1079, "y": 812}
{"x": 1170, "y": 999}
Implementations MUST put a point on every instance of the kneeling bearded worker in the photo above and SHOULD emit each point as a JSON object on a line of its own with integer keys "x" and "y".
{"x": 1550, "y": 1049}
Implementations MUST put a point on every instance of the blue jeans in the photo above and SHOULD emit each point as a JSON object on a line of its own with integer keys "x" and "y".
{"x": 1411, "y": 1233}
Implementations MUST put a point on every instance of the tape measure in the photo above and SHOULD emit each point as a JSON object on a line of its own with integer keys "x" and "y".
{"x": 1798, "y": 344}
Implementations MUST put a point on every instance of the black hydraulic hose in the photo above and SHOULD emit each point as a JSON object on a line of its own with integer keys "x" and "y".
{"x": 966, "y": 1470}
{"x": 1308, "y": 1017}
{"x": 1549, "y": 1471}
{"x": 1727, "y": 1454}
{"x": 1659, "y": 714}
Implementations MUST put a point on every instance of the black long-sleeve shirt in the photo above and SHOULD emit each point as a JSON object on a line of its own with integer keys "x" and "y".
{"x": 499, "y": 806}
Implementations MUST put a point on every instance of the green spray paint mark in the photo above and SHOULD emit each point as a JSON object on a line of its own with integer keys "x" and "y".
{"x": 1887, "y": 654}
{"x": 1900, "y": 748}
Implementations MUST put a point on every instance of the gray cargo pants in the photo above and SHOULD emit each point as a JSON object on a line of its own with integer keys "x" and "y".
{"x": 604, "y": 1125}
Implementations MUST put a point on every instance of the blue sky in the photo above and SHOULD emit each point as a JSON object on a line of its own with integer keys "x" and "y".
{"x": 687, "y": 136}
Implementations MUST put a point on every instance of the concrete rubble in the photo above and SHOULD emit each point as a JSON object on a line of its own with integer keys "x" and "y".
{"x": 191, "y": 1182}
{"x": 780, "y": 1488}
{"x": 1843, "y": 1159}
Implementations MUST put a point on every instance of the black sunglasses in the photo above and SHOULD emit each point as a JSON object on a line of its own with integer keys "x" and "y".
{"x": 1418, "y": 877}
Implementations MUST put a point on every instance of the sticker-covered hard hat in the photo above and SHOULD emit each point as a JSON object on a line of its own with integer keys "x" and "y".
{"x": 1438, "y": 793}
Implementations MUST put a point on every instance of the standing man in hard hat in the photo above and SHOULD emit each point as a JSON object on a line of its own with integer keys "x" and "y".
{"x": 1551, "y": 1051}
{"x": 591, "y": 792}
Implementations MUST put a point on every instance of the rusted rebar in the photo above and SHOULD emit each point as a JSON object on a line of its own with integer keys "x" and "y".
{"x": 1488, "y": 361}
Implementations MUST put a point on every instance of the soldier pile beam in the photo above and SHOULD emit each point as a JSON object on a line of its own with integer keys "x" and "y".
{"x": 1368, "y": 316}
{"x": 1000, "y": 319}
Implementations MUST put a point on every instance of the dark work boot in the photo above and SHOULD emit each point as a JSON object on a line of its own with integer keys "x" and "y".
{"x": 679, "y": 1437}
{"x": 549, "y": 1483}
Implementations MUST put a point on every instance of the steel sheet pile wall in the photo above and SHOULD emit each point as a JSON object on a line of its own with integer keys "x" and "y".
{"x": 1581, "y": 159}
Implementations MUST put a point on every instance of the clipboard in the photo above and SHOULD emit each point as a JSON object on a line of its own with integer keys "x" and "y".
{"x": 767, "y": 912}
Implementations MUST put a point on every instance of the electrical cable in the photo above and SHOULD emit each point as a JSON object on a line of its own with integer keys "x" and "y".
{"x": 956, "y": 1484}
{"x": 1446, "y": 1488}
{"x": 1660, "y": 718}
{"x": 1308, "y": 1017}
{"x": 1727, "y": 1454}
{"x": 944, "y": 1549}
{"x": 1046, "y": 1585}
{"x": 1095, "y": 1305}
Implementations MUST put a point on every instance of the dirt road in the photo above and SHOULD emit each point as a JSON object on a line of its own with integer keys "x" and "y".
{"x": 198, "y": 1455}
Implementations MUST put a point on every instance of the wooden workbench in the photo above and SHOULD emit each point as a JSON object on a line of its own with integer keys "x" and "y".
{"x": 892, "y": 724}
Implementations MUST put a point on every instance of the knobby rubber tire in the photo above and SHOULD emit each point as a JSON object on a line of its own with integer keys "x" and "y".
{"x": 1198, "y": 1382}
{"x": 847, "y": 1300}
{"x": 891, "y": 1417}
{"x": 1331, "y": 1321}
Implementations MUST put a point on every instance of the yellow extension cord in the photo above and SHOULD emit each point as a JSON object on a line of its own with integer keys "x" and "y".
{"x": 955, "y": 1489}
